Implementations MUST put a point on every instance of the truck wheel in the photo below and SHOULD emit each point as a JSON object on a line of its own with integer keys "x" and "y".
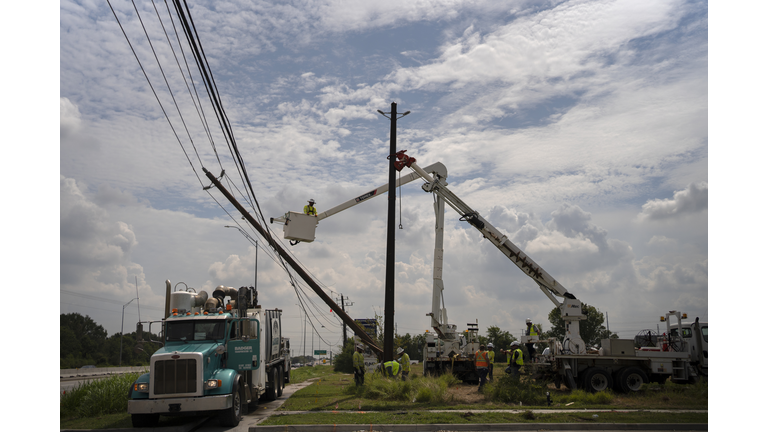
{"x": 570, "y": 381}
{"x": 596, "y": 380}
{"x": 271, "y": 392}
{"x": 231, "y": 416}
{"x": 144, "y": 420}
{"x": 280, "y": 383}
{"x": 631, "y": 379}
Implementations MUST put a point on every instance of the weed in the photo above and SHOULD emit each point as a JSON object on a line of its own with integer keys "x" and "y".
{"x": 528, "y": 415}
{"x": 508, "y": 389}
{"x": 97, "y": 397}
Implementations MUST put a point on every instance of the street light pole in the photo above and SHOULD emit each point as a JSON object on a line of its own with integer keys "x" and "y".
{"x": 122, "y": 321}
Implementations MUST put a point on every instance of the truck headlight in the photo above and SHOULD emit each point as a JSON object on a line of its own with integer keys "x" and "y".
{"x": 212, "y": 384}
{"x": 141, "y": 387}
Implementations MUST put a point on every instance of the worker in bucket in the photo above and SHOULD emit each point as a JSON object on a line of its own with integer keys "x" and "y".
{"x": 481, "y": 364}
{"x": 310, "y": 209}
{"x": 531, "y": 330}
{"x": 491, "y": 358}
{"x": 405, "y": 363}
{"x": 358, "y": 364}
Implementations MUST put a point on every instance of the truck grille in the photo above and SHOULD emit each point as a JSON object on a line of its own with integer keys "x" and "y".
{"x": 175, "y": 376}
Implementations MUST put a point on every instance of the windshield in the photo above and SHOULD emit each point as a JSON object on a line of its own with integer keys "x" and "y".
{"x": 686, "y": 332}
{"x": 198, "y": 330}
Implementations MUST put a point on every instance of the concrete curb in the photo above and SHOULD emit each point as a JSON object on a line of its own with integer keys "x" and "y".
{"x": 484, "y": 427}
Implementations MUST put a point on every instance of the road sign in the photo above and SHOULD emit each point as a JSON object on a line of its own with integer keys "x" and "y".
{"x": 320, "y": 352}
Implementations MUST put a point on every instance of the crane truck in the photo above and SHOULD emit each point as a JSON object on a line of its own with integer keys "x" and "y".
{"x": 618, "y": 365}
{"x": 221, "y": 353}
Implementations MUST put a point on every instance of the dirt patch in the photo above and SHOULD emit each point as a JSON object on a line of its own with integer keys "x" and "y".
{"x": 465, "y": 393}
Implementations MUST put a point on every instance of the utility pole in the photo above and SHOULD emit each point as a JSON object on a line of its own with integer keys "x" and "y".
{"x": 389, "y": 284}
{"x": 343, "y": 303}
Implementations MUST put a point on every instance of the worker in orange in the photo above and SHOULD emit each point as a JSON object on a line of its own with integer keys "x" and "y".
{"x": 481, "y": 364}
{"x": 310, "y": 209}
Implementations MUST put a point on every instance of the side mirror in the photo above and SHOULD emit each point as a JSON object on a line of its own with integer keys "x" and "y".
{"x": 139, "y": 331}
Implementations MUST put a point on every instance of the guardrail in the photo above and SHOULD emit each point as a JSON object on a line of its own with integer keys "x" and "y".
{"x": 94, "y": 372}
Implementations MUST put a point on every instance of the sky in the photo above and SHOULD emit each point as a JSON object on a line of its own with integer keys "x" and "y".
{"x": 578, "y": 128}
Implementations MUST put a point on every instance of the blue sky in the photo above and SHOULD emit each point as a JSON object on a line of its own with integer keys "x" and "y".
{"x": 579, "y": 128}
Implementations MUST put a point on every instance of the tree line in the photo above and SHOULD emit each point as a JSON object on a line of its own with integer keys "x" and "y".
{"x": 84, "y": 342}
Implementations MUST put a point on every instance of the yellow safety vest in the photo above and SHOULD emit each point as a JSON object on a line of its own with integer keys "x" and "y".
{"x": 357, "y": 360}
{"x": 518, "y": 354}
{"x": 491, "y": 356}
{"x": 481, "y": 359}
{"x": 395, "y": 366}
{"x": 532, "y": 331}
{"x": 310, "y": 210}
{"x": 405, "y": 362}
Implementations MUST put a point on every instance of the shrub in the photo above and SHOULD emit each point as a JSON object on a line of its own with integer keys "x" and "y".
{"x": 508, "y": 389}
{"x": 97, "y": 397}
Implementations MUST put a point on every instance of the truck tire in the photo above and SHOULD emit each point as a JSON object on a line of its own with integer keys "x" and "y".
{"x": 231, "y": 416}
{"x": 630, "y": 379}
{"x": 271, "y": 392}
{"x": 144, "y": 420}
{"x": 596, "y": 380}
{"x": 280, "y": 383}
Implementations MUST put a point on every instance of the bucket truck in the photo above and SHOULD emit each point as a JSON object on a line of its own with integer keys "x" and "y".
{"x": 446, "y": 350}
{"x": 618, "y": 364}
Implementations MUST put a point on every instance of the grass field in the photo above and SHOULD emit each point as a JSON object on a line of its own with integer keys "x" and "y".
{"x": 332, "y": 398}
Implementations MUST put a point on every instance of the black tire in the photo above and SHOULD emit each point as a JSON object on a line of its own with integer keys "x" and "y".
{"x": 144, "y": 420}
{"x": 597, "y": 380}
{"x": 231, "y": 416}
{"x": 271, "y": 392}
{"x": 631, "y": 379}
{"x": 280, "y": 383}
{"x": 569, "y": 380}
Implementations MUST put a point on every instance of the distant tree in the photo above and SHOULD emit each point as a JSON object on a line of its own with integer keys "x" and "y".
{"x": 500, "y": 339}
{"x": 89, "y": 338}
{"x": 592, "y": 330}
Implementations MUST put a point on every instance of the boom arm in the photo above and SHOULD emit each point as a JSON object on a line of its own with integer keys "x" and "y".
{"x": 570, "y": 306}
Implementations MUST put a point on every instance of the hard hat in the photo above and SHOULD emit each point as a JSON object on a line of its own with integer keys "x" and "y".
{"x": 359, "y": 347}
{"x": 514, "y": 344}
{"x": 400, "y": 350}
{"x": 311, "y": 201}
{"x": 490, "y": 345}
{"x": 528, "y": 321}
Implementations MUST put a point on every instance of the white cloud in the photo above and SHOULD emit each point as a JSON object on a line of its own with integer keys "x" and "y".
{"x": 693, "y": 199}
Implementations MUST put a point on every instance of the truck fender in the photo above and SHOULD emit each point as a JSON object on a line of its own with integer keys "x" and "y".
{"x": 138, "y": 395}
{"x": 228, "y": 379}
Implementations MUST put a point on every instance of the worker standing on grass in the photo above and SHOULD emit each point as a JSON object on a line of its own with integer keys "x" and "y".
{"x": 310, "y": 209}
{"x": 514, "y": 359}
{"x": 481, "y": 364}
{"x": 491, "y": 358}
{"x": 405, "y": 363}
{"x": 358, "y": 364}
{"x": 532, "y": 330}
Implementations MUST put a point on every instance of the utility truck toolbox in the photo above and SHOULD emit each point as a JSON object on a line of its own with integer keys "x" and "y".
{"x": 299, "y": 226}
{"x": 618, "y": 347}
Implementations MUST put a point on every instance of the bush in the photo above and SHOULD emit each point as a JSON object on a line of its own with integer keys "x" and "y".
{"x": 600, "y": 398}
{"x": 97, "y": 397}
{"x": 508, "y": 389}
{"x": 343, "y": 362}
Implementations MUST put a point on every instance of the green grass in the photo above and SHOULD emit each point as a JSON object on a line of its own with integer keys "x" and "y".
{"x": 459, "y": 417}
{"x": 97, "y": 397}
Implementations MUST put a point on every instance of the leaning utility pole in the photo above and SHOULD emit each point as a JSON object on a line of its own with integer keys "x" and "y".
{"x": 389, "y": 285}
{"x": 295, "y": 265}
